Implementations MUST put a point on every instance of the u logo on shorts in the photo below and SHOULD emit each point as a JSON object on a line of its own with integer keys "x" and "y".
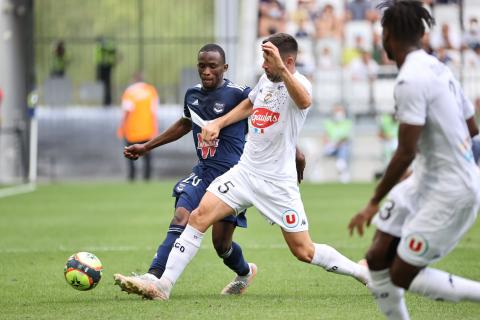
{"x": 416, "y": 244}
{"x": 290, "y": 218}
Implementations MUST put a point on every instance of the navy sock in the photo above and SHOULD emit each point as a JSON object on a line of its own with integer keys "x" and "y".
{"x": 160, "y": 260}
{"x": 234, "y": 259}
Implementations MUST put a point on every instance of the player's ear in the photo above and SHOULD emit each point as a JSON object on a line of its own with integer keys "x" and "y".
{"x": 225, "y": 67}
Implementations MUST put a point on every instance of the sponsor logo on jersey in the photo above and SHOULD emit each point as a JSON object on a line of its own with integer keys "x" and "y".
{"x": 290, "y": 218}
{"x": 208, "y": 148}
{"x": 218, "y": 107}
{"x": 416, "y": 244}
{"x": 267, "y": 97}
{"x": 263, "y": 118}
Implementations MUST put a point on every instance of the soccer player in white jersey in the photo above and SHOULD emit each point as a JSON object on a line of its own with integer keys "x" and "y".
{"x": 427, "y": 214}
{"x": 265, "y": 176}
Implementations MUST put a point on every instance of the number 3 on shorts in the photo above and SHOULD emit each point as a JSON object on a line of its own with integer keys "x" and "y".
{"x": 224, "y": 188}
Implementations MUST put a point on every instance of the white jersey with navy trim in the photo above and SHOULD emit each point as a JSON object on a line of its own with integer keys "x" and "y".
{"x": 274, "y": 127}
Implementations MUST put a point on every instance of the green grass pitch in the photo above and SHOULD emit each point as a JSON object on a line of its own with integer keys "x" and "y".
{"x": 123, "y": 224}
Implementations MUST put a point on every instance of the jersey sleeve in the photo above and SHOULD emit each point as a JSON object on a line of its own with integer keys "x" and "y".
{"x": 246, "y": 93}
{"x": 253, "y": 93}
{"x": 467, "y": 106}
{"x": 411, "y": 103}
{"x": 305, "y": 83}
{"x": 186, "y": 112}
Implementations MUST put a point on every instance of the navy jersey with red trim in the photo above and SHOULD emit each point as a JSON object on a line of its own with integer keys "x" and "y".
{"x": 202, "y": 106}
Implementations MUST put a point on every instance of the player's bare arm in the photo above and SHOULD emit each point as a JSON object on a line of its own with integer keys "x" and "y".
{"x": 242, "y": 111}
{"x": 300, "y": 163}
{"x": 472, "y": 126}
{"x": 401, "y": 160}
{"x": 173, "y": 133}
{"x": 295, "y": 89}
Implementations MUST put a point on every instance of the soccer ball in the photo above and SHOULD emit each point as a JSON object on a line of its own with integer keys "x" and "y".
{"x": 83, "y": 271}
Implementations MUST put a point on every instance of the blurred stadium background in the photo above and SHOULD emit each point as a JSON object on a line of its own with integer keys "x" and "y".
{"x": 160, "y": 38}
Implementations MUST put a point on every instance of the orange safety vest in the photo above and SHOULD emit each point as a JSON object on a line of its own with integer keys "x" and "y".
{"x": 140, "y": 102}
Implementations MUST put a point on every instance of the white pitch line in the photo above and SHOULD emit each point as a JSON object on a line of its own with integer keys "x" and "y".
{"x": 16, "y": 190}
{"x": 205, "y": 247}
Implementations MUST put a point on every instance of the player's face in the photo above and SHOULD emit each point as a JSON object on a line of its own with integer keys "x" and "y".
{"x": 386, "y": 42}
{"x": 270, "y": 70}
{"x": 211, "y": 69}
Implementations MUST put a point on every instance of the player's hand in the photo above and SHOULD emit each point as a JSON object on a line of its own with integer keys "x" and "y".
{"x": 210, "y": 132}
{"x": 363, "y": 218}
{"x": 134, "y": 151}
{"x": 300, "y": 163}
{"x": 272, "y": 56}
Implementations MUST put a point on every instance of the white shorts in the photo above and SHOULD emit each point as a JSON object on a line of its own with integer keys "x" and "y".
{"x": 396, "y": 208}
{"x": 430, "y": 224}
{"x": 278, "y": 201}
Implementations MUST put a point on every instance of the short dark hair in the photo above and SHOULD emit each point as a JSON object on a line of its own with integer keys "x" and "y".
{"x": 405, "y": 19}
{"x": 285, "y": 43}
{"x": 213, "y": 47}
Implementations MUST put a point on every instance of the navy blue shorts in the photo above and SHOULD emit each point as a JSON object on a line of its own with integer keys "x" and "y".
{"x": 189, "y": 191}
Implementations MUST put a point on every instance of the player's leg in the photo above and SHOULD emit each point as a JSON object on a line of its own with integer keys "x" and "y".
{"x": 227, "y": 249}
{"x": 225, "y": 195}
{"x": 175, "y": 229}
{"x": 210, "y": 210}
{"x": 232, "y": 255}
{"x": 323, "y": 255}
{"x": 147, "y": 166}
{"x": 380, "y": 257}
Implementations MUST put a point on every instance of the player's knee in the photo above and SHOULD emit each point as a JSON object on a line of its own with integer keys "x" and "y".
{"x": 303, "y": 253}
{"x": 199, "y": 219}
{"x": 376, "y": 258}
{"x": 181, "y": 217}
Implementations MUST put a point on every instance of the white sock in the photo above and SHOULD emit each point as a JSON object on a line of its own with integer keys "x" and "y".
{"x": 389, "y": 297}
{"x": 333, "y": 261}
{"x": 183, "y": 251}
{"x": 440, "y": 285}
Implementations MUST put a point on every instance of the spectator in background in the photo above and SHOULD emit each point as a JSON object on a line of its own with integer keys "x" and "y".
{"x": 271, "y": 19}
{"x": 425, "y": 42}
{"x": 443, "y": 55}
{"x": 446, "y": 38}
{"x": 471, "y": 37}
{"x": 337, "y": 141}
{"x": 326, "y": 61}
{"x": 60, "y": 60}
{"x": 378, "y": 53}
{"x": 328, "y": 25}
{"x": 472, "y": 58}
{"x": 139, "y": 122}
{"x": 364, "y": 68}
{"x": 361, "y": 10}
{"x": 388, "y": 134}
{"x": 351, "y": 53}
{"x": 106, "y": 57}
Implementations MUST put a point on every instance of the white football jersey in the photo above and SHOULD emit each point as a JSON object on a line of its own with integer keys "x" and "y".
{"x": 273, "y": 130}
{"x": 427, "y": 94}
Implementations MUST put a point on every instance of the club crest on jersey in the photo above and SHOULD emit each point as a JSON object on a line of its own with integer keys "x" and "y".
{"x": 208, "y": 148}
{"x": 416, "y": 244}
{"x": 218, "y": 107}
{"x": 263, "y": 118}
{"x": 290, "y": 218}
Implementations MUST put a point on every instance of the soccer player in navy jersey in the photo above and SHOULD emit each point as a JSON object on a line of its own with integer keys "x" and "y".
{"x": 214, "y": 97}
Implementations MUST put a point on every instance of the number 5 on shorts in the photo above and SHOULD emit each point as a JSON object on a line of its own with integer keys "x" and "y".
{"x": 224, "y": 188}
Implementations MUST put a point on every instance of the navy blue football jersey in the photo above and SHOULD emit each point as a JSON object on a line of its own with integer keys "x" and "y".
{"x": 225, "y": 152}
